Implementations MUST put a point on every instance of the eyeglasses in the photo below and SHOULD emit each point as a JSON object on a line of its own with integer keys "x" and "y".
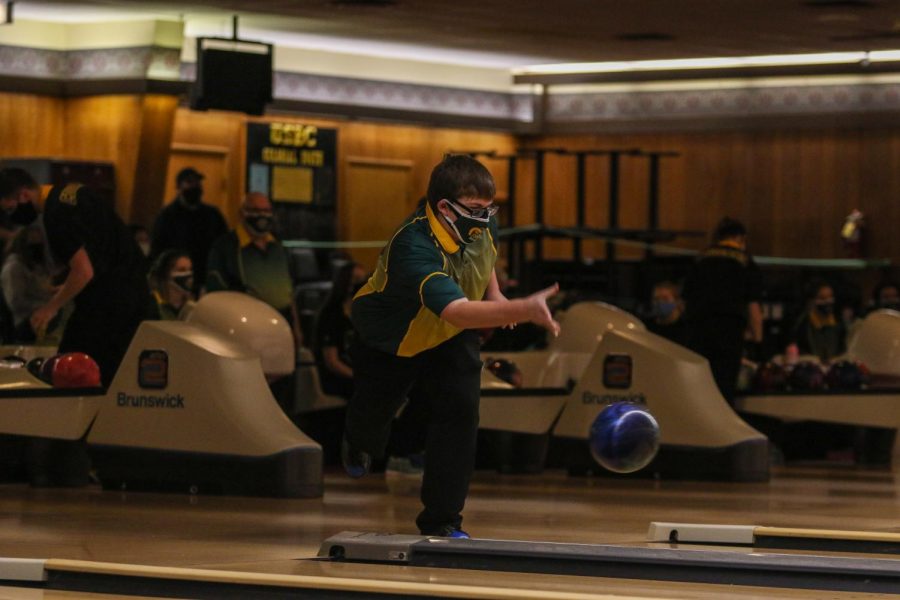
{"x": 483, "y": 213}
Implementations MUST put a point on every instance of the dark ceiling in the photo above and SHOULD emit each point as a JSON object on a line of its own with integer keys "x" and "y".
{"x": 575, "y": 30}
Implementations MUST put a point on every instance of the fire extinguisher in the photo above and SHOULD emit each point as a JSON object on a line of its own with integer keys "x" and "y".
{"x": 853, "y": 234}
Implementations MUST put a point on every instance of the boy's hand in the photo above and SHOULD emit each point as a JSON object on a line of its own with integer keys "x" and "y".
{"x": 540, "y": 314}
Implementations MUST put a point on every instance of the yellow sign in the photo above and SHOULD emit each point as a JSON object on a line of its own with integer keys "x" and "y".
{"x": 292, "y": 184}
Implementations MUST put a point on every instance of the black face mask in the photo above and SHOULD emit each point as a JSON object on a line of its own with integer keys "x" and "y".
{"x": 825, "y": 308}
{"x": 192, "y": 196}
{"x": 893, "y": 305}
{"x": 259, "y": 224}
{"x": 24, "y": 214}
{"x": 183, "y": 280}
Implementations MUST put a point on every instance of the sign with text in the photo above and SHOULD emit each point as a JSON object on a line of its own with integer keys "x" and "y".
{"x": 295, "y": 166}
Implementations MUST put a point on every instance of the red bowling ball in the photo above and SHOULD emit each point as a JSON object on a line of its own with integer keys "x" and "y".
{"x": 76, "y": 370}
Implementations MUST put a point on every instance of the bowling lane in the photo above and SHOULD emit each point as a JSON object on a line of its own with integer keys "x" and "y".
{"x": 282, "y": 536}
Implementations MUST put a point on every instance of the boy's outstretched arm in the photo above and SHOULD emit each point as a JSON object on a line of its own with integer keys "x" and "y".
{"x": 467, "y": 314}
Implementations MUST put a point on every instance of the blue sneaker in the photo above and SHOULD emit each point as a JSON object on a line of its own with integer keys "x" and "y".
{"x": 457, "y": 534}
{"x": 356, "y": 462}
{"x": 449, "y": 531}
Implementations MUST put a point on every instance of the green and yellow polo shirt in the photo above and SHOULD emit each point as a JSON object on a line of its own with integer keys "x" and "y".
{"x": 237, "y": 263}
{"x": 420, "y": 271}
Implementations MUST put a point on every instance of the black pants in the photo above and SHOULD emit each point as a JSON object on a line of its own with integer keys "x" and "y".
{"x": 443, "y": 385}
{"x": 104, "y": 336}
{"x": 721, "y": 341}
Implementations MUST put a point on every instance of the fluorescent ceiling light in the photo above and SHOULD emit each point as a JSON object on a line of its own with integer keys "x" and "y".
{"x": 736, "y": 67}
{"x": 737, "y": 62}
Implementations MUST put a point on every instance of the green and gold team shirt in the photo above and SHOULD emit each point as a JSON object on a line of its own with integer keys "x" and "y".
{"x": 420, "y": 271}
{"x": 236, "y": 263}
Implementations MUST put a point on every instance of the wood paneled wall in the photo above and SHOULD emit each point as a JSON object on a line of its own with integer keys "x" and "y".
{"x": 31, "y": 126}
{"x": 792, "y": 189}
{"x": 131, "y": 131}
{"x": 422, "y": 147}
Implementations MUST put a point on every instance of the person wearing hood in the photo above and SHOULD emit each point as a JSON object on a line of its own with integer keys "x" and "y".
{"x": 188, "y": 223}
{"x": 250, "y": 259}
{"x": 103, "y": 280}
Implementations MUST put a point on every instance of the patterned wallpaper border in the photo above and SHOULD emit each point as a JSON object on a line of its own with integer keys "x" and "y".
{"x": 114, "y": 63}
{"x": 661, "y": 106}
{"x": 639, "y": 108}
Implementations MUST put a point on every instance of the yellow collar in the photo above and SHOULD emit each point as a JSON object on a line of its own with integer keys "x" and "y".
{"x": 818, "y": 322}
{"x": 245, "y": 239}
{"x": 447, "y": 242}
{"x": 731, "y": 244}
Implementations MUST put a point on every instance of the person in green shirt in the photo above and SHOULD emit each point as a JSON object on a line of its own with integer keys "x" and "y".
{"x": 249, "y": 259}
{"x": 416, "y": 320}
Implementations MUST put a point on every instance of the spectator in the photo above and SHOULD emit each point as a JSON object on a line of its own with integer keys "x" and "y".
{"x": 886, "y": 295}
{"x": 334, "y": 332}
{"x": 818, "y": 331}
{"x": 142, "y": 237}
{"x": 26, "y": 281}
{"x": 172, "y": 283}
{"x": 722, "y": 294}
{"x": 666, "y": 313}
{"x": 249, "y": 259}
{"x": 104, "y": 279}
{"x": 187, "y": 223}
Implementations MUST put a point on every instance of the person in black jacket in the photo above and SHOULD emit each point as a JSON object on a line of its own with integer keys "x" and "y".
{"x": 104, "y": 280}
{"x": 189, "y": 224}
{"x": 722, "y": 294}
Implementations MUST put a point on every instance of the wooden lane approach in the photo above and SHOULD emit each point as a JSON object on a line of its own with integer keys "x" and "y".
{"x": 833, "y": 540}
{"x": 143, "y": 580}
{"x": 803, "y": 571}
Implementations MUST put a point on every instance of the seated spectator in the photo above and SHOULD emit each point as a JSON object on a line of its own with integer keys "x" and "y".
{"x": 250, "y": 259}
{"x": 818, "y": 331}
{"x": 666, "y": 312}
{"x": 27, "y": 283}
{"x": 172, "y": 282}
{"x": 334, "y": 332}
{"x": 886, "y": 295}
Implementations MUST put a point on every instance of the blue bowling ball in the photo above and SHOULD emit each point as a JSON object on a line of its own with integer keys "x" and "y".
{"x": 624, "y": 437}
{"x": 807, "y": 376}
